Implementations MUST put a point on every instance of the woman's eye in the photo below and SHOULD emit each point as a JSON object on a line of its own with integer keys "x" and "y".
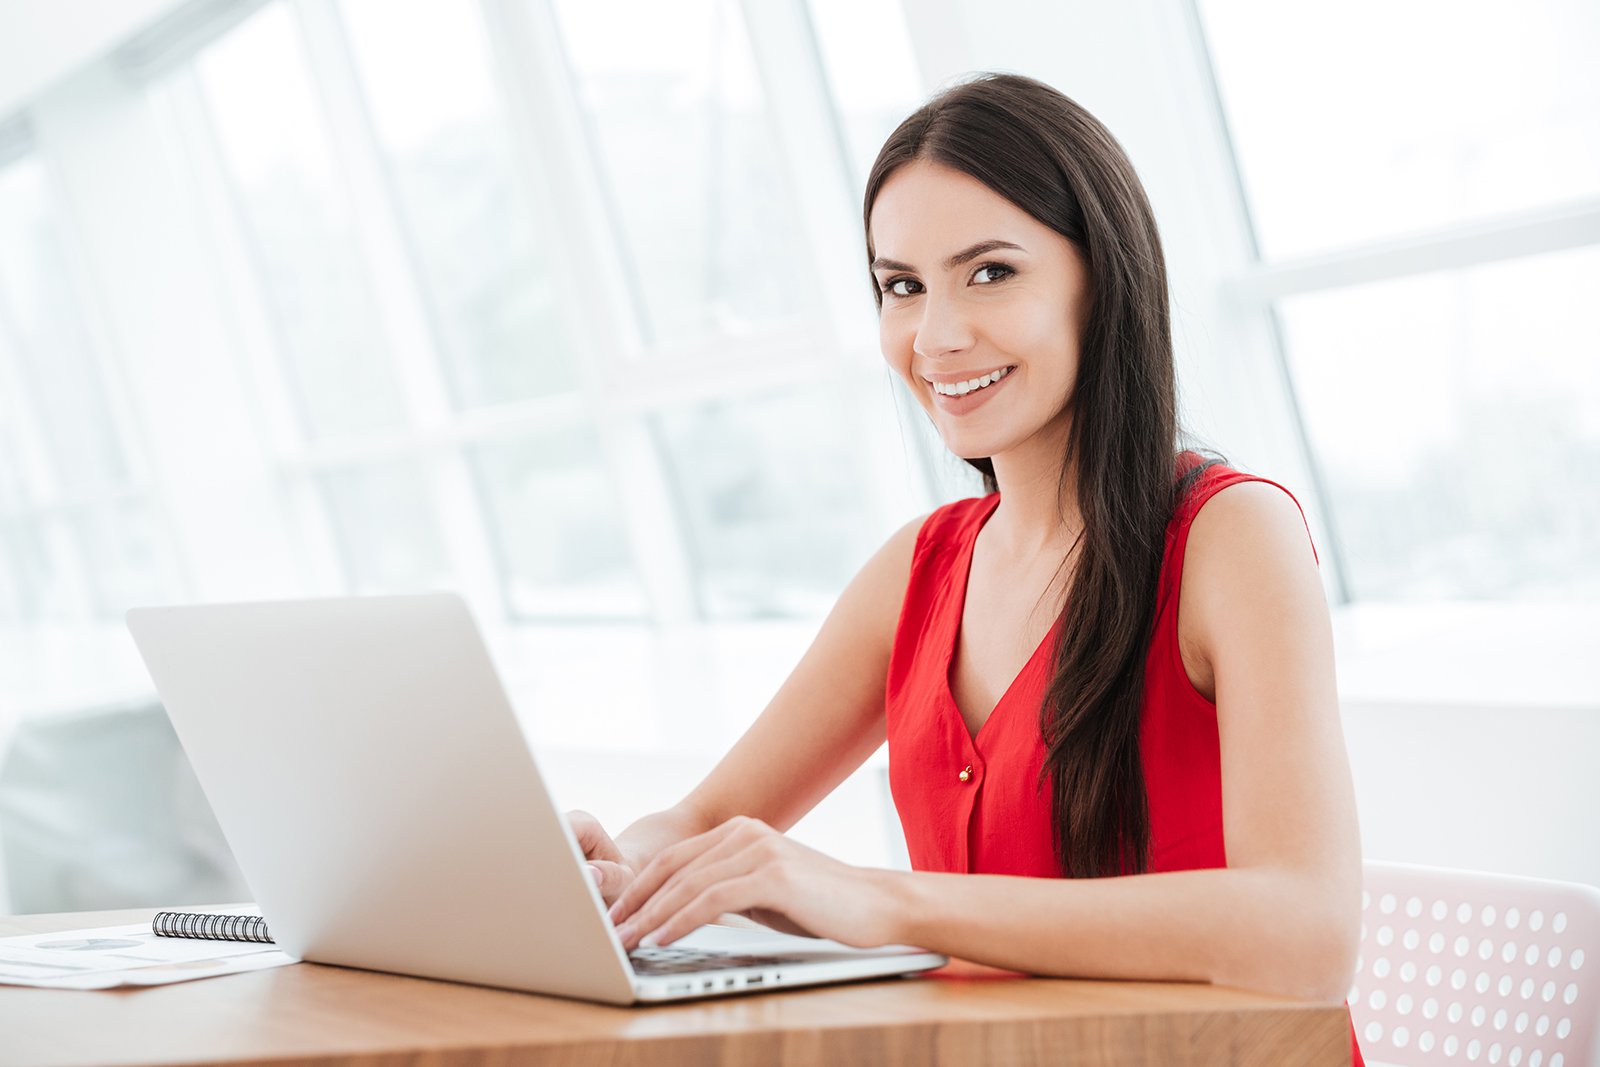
{"x": 904, "y": 287}
{"x": 990, "y": 273}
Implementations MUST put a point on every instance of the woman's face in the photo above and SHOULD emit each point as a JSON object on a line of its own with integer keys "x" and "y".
{"x": 975, "y": 290}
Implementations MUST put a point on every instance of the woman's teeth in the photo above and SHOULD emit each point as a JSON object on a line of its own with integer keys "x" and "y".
{"x": 963, "y": 388}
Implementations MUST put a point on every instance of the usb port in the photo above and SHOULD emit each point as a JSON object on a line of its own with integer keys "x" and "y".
{"x": 755, "y": 979}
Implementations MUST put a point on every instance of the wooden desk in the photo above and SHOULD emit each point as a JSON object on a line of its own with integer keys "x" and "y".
{"x": 336, "y": 1017}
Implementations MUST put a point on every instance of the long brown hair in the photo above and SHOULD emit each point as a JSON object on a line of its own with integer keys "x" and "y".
{"x": 1051, "y": 158}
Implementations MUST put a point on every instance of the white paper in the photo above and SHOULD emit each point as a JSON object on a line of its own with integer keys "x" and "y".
{"x": 112, "y": 956}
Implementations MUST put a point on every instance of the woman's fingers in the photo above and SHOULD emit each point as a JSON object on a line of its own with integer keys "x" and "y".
{"x": 720, "y": 866}
{"x": 606, "y": 864}
{"x": 736, "y": 853}
{"x": 592, "y": 837}
{"x": 746, "y": 866}
{"x": 669, "y": 861}
{"x": 734, "y": 894}
{"x": 611, "y": 878}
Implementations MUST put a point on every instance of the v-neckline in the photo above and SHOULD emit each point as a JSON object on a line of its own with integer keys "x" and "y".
{"x": 964, "y": 569}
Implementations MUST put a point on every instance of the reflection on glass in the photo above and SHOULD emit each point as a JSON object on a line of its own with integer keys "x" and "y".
{"x": 684, "y": 137}
{"x": 448, "y": 147}
{"x": 269, "y": 125}
{"x": 774, "y": 508}
{"x": 558, "y": 528}
{"x": 1456, "y": 417}
{"x": 388, "y": 532}
{"x": 1377, "y": 119}
{"x": 41, "y": 327}
{"x": 872, "y": 74}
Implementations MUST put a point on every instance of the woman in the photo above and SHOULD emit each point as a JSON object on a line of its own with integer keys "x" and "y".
{"x": 1053, "y": 719}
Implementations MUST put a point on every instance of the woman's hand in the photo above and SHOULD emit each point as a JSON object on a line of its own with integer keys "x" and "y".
{"x": 608, "y": 866}
{"x": 746, "y": 866}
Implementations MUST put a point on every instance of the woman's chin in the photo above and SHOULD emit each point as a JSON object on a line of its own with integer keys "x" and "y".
{"x": 968, "y": 445}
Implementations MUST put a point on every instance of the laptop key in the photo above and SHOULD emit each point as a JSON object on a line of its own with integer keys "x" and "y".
{"x": 657, "y": 961}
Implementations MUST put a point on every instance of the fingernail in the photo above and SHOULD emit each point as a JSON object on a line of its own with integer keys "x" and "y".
{"x": 594, "y": 872}
{"x": 649, "y": 940}
{"x": 624, "y": 932}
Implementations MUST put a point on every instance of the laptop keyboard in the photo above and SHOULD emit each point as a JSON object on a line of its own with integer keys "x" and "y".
{"x": 654, "y": 961}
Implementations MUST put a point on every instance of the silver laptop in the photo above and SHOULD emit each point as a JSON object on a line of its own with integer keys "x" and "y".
{"x": 367, "y": 769}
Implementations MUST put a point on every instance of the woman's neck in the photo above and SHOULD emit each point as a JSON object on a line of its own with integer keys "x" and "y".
{"x": 1038, "y": 512}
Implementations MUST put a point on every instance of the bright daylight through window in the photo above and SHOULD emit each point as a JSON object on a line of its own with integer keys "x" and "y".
{"x": 1454, "y": 414}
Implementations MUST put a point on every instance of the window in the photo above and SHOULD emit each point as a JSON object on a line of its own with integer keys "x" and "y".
{"x": 293, "y": 198}
{"x": 487, "y": 261}
{"x": 566, "y": 335}
{"x": 79, "y": 537}
{"x": 1415, "y": 195}
{"x": 1478, "y": 395}
{"x": 559, "y": 529}
{"x": 1387, "y": 119}
{"x": 385, "y": 522}
{"x": 457, "y": 410}
{"x": 872, "y": 74}
{"x": 771, "y": 488}
{"x": 680, "y": 126}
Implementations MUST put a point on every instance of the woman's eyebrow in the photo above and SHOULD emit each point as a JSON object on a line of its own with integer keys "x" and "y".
{"x": 977, "y": 250}
{"x": 963, "y": 256}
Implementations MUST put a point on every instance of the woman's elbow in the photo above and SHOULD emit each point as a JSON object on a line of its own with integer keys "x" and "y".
{"x": 1327, "y": 942}
{"x": 1342, "y": 952}
{"x": 1313, "y": 958}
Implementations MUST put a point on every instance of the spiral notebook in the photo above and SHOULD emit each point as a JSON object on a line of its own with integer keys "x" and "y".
{"x": 210, "y": 926}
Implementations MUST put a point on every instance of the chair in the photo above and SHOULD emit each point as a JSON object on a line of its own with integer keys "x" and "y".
{"x": 1460, "y": 967}
{"x": 100, "y": 809}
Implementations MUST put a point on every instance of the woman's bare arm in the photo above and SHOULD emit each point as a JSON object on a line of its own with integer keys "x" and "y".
{"x": 823, "y": 722}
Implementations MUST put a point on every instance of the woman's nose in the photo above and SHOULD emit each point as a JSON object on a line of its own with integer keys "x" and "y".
{"x": 945, "y": 328}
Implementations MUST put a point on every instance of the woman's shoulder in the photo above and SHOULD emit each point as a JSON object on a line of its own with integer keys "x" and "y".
{"x": 1219, "y": 503}
{"x": 1246, "y": 532}
{"x": 1248, "y": 556}
{"x": 1248, "y": 508}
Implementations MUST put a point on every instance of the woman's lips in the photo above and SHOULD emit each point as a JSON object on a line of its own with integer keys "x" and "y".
{"x": 961, "y": 405}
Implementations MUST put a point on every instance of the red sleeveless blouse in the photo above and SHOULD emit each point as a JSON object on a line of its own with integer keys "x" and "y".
{"x": 977, "y": 804}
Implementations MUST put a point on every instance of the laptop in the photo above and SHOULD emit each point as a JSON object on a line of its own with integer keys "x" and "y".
{"x": 368, "y": 772}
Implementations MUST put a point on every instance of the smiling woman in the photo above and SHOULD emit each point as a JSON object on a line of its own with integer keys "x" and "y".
{"x": 1091, "y": 783}
{"x": 1025, "y": 293}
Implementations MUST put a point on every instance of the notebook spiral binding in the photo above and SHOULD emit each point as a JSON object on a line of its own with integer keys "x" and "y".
{"x": 211, "y": 926}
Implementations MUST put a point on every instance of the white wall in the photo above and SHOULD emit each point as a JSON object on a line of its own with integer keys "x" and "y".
{"x": 1498, "y": 788}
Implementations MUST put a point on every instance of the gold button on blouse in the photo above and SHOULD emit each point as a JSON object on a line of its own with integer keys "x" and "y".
{"x": 966, "y": 773}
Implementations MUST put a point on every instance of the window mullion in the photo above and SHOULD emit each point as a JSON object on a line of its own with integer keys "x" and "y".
{"x": 1533, "y": 233}
{"x": 33, "y": 466}
{"x": 400, "y": 297}
{"x": 77, "y": 157}
{"x": 940, "y": 41}
{"x": 555, "y": 162}
{"x": 253, "y": 331}
{"x": 815, "y": 149}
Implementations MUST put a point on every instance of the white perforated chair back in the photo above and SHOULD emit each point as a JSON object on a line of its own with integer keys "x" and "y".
{"x": 1460, "y": 967}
